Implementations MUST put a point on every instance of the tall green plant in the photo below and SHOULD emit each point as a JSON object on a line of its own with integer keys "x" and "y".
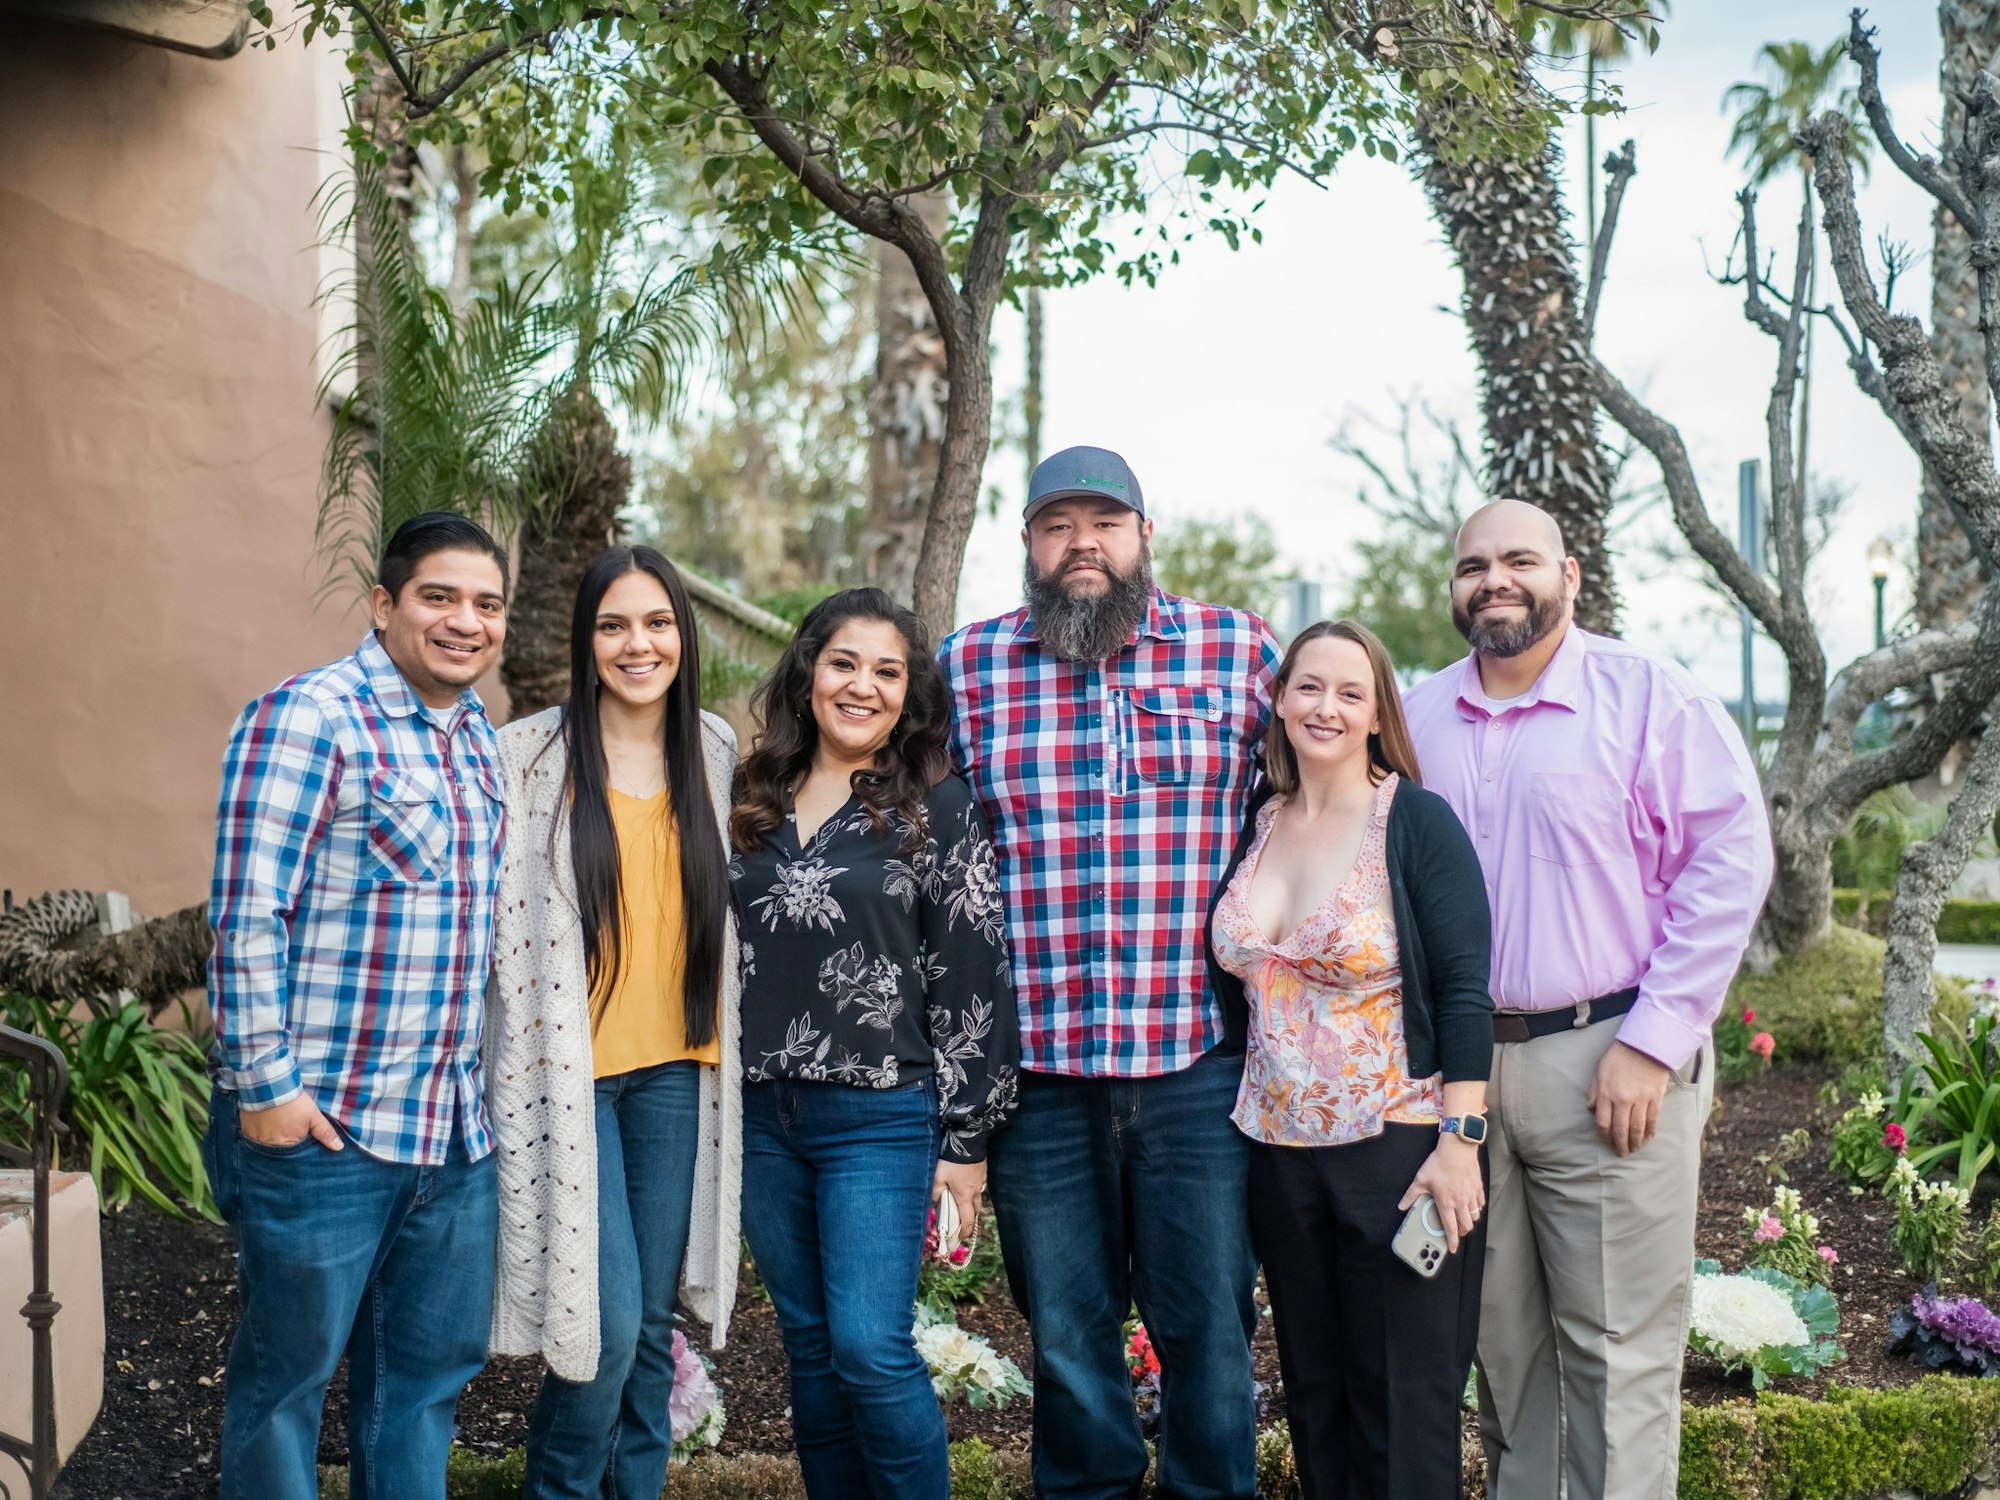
{"x": 1867, "y": 856}
{"x": 1950, "y": 1102}
{"x": 442, "y": 412}
{"x": 137, "y": 1102}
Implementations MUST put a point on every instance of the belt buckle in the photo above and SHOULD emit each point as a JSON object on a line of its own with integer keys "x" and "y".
{"x": 1582, "y": 1020}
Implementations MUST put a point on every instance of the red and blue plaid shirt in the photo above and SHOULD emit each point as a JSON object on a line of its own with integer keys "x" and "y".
{"x": 1114, "y": 790}
{"x": 356, "y": 860}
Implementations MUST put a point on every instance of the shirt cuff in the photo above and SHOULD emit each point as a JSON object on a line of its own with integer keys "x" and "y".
{"x": 964, "y": 1147}
{"x": 270, "y": 1081}
{"x": 1649, "y": 1028}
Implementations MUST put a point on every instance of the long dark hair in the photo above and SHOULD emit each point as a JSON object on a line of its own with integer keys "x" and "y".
{"x": 914, "y": 760}
{"x": 593, "y": 837}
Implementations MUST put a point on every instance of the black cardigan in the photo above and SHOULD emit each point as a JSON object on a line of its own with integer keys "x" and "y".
{"x": 1444, "y": 934}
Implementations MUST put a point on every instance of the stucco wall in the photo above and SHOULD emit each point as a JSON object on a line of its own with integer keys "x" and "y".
{"x": 159, "y": 440}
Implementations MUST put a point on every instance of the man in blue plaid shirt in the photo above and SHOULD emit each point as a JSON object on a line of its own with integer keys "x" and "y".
{"x": 356, "y": 855}
{"x": 1109, "y": 731}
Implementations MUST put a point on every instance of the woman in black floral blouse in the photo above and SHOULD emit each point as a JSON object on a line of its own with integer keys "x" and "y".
{"x": 879, "y": 1034}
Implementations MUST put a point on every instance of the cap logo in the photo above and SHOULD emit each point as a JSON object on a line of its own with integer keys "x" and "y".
{"x": 1117, "y": 486}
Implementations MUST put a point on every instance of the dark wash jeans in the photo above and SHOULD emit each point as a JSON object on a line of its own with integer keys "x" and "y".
{"x": 610, "y": 1435}
{"x": 836, "y": 1199}
{"x": 340, "y": 1251}
{"x": 1112, "y": 1191}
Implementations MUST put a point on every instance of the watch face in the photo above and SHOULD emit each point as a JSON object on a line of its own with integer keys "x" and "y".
{"x": 1473, "y": 1128}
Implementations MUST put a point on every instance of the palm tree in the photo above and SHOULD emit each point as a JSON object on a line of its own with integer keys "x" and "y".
{"x": 1800, "y": 84}
{"x": 497, "y": 412}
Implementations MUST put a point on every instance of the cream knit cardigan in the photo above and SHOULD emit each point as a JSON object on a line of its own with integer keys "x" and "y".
{"x": 539, "y": 1089}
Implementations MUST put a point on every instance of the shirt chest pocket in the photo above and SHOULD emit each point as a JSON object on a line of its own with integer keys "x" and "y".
{"x": 1171, "y": 737}
{"x": 1576, "y": 819}
{"x": 409, "y": 829}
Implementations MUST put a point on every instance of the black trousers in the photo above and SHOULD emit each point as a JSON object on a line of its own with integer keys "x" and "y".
{"x": 1374, "y": 1356}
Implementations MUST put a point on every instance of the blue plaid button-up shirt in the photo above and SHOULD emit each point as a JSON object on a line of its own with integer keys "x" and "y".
{"x": 357, "y": 856}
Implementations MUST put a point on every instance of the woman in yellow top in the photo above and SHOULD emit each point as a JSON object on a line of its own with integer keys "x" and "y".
{"x": 613, "y": 1005}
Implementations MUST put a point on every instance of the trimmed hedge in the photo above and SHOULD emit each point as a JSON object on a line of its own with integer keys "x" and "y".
{"x": 1959, "y": 922}
{"x": 1826, "y": 1002}
{"x": 1929, "y": 1439}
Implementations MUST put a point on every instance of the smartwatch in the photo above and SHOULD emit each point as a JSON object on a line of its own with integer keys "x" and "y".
{"x": 1469, "y": 1128}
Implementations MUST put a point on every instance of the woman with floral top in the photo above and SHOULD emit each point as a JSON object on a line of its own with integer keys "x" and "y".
{"x": 879, "y": 1035}
{"x": 1350, "y": 940}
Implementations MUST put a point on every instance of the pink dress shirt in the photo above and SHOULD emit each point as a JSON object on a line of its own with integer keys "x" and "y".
{"x": 1621, "y": 827}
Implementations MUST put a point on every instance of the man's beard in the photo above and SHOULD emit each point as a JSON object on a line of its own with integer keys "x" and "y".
{"x": 1088, "y": 627}
{"x": 1510, "y": 637}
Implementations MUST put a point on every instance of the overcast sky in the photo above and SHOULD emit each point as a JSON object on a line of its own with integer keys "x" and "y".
{"x": 1223, "y": 384}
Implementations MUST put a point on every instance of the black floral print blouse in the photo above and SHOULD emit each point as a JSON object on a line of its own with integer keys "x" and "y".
{"x": 869, "y": 966}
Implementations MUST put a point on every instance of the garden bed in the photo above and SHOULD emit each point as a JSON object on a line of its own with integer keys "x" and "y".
{"x": 170, "y": 1288}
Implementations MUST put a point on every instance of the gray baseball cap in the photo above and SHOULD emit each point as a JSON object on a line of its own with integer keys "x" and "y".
{"x": 1083, "y": 473}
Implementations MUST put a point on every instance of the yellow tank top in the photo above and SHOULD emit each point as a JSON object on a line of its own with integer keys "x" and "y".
{"x": 639, "y": 1024}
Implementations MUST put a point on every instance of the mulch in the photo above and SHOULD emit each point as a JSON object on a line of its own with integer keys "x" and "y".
{"x": 169, "y": 1289}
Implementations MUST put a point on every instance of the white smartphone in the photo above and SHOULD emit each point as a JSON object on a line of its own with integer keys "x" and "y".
{"x": 1419, "y": 1244}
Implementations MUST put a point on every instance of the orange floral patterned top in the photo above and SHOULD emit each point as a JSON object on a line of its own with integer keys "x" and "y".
{"x": 1326, "y": 1063}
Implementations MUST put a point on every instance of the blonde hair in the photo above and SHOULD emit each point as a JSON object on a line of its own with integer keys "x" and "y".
{"x": 1389, "y": 750}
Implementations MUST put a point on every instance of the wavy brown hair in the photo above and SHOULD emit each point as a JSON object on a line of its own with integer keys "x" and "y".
{"x": 914, "y": 760}
{"x": 1388, "y": 751}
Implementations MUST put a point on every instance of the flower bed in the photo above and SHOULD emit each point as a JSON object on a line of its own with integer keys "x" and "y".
{"x": 169, "y": 1297}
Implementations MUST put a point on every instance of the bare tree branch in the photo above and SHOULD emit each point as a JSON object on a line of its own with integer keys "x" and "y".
{"x": 1921, "y": 170}
{"x": 1620, "y": 167}
{"x": 1900, "y": 664}
{"x": 1662, "y": 439}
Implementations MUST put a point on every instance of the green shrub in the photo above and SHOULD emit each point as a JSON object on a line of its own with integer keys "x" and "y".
{"x": 137, "y": 1102}
{"x": 1929, "y": 1438}
{"x": 1825, "y": 1003}
{"x": 1959, "y": 922}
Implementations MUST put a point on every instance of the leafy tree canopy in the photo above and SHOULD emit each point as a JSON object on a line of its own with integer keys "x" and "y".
{"x": 803, "y": 110}
{"x": 1232, "y": 562}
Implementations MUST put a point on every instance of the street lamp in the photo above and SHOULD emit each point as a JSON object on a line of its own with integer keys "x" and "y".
{"x": 1880, "y": 555}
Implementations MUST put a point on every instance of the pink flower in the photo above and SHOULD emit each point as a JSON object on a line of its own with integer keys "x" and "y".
{"x": 1768, "y": 1229}
{"x": 1764, "y": 1044}
{"x": 1830, "y": 1255}
{"x": 1893, "y": 1138}
{"x": 1749, "y": 1016}
{"x": 961, "y": 1254}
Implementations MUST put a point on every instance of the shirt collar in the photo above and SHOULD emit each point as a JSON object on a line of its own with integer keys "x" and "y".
{"x": 1162, "y": 621}
{"x": 395, "y": 695}
{"x": 1561, "y": 682}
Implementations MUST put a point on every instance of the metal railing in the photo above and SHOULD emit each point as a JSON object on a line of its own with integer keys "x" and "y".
{"x": 47, "y": 1080}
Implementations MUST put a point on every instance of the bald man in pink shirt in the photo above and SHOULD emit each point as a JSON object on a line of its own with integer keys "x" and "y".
{"x": 1626, "y": 849}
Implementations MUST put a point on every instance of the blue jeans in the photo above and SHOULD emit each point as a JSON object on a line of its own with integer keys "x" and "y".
{"x": 836, "y": 1198}
{"x": 610, "y": 1436}
{"x": 1111, "y": 1191}
{"x": 340, "y": 1251}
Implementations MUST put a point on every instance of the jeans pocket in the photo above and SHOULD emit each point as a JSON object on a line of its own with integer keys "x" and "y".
{"x": 289, "y": 1152}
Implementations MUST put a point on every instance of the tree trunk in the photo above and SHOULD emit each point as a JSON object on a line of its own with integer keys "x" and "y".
{"x": 1949, "y": 576}
{"x": 464, "y": 194}
{"x": 1523, "y": 306}
{"x": 584, "y": 482}
{"x": 1928, "y": 870}
{"x": 1031, "y": 390}
{"x": 968, "y": 435}
{"x": 907, "y": 413}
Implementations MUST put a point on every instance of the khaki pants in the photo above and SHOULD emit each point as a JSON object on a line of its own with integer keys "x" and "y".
{"x": 1589, "y": 1256}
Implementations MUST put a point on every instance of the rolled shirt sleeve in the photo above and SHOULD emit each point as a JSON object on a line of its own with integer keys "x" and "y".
{"x": 280, "y": 785}
{"x": 1698, "y": 785}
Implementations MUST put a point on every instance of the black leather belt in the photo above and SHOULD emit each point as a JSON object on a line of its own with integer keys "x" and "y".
{"x": 1525, "y": 1026}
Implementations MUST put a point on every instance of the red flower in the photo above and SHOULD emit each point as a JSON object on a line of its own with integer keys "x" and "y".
{"x": 1763, "y": 1044}
{"x": 1139, "y": 1355}
{"x": 1893, "y": 1138}
{"x": 1749, "y": 1016}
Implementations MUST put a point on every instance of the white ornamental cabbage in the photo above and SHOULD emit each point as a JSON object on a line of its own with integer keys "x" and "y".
{"x": 1739, "y": 1315}
{"x": 960, "y": 1359}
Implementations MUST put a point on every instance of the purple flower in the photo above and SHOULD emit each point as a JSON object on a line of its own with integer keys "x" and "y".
{"x": 1966, "y": 1321}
